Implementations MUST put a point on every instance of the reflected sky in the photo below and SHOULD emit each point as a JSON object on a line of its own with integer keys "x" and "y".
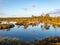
{"x": 30, "y": 33}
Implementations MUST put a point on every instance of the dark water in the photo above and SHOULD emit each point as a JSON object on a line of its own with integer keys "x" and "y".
{"x": 31, "y": 33}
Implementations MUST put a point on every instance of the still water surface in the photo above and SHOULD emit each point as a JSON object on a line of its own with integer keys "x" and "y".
{"x": 31, "y": 32}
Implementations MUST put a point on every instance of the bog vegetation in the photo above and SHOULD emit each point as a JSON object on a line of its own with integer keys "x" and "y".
{"x": 34, "y": 19}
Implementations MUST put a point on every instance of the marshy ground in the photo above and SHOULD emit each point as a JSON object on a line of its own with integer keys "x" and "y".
{"x": 45, "y": 41}
{"x": 31, "y": 21}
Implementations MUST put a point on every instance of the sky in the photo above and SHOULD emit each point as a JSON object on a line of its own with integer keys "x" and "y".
{"x": 26, "y": 8}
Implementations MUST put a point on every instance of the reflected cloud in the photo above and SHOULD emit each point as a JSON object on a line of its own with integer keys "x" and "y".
{"x": 32, "y": 32}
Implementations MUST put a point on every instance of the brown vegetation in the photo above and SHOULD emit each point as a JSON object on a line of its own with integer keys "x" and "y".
{"x": 34, "y": 19}
{"x": 6, "y": 26}
{"x": 45, "y": 41}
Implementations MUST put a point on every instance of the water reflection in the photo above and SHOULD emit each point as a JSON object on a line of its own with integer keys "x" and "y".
{"x": 58, "y": 26}
{"x": 45, "y": 26}
{"x": 32, "y": 31}
{"x": 42, "y": 25}
{"x": 6, "y": 29}
{"x": 54, "y": 25}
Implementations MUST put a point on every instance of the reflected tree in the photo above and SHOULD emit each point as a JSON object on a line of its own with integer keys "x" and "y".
{"x": 42, "y": 26}
{"x": 45, "y": 26}
{"x": 58, "y": 26}
{"x": 8, "y": 29}
{"x": 18, "y": 26}
{"x": 54, "y": 26}
{"x": 25, "y": 26}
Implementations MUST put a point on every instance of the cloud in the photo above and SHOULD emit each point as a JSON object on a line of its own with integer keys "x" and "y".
{"x": 56, "y": 11}
{"x": 33, "y": 6}
{"x": 2, "y": 14}
{"x": 25, "y": 9}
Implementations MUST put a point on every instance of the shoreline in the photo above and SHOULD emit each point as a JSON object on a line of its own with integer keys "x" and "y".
{"x": 46, "y": 41}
